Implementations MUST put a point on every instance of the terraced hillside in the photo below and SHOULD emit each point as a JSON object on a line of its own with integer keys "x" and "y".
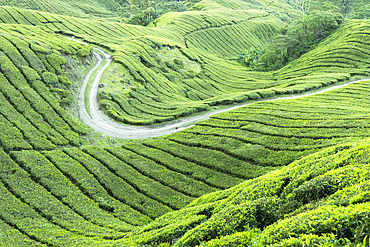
{"x": 58, "y": 190}
{"x": 177, "y": 68}
{"x": 81, "y": 8}
{"x": 152, "y": 179}
{"x": 276, "y": 133}
{"x": 157, "y": 90}
{"x": 46, "y": 199}
{"x": 320, "y": 200}
{"x": 30, "y": 71}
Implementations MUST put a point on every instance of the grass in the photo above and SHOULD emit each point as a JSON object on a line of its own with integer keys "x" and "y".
{"x": 89, "y": 86}
{"x": 76, "y": 73}
{"x": 116, "y": 80}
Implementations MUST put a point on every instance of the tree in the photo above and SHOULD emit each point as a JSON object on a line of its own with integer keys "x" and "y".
{"x": 346, "y": 7}
{"x": 292, "y": 42}
{"x": 284, "y": 42}
{"x": 302, "y": 6}
{"x": 142, "y": 12}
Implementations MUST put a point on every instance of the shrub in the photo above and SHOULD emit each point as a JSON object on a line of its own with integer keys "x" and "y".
{"x": 83, "y": 52}
{"x": 40, "y": 49}
{"x": 50, "y": 78}
{"x": 30, "y": 74}
{"x": 178, "y": 62}
{"x": 292, "y": 42}
{"x": 56, "y": 61}
{"x": 64, "y": 81}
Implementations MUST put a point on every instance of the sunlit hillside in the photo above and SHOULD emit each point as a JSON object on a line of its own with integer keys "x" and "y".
{"x": 78, "y": 8}
{"x": 286, "y": 172}
{"x": 320, "y": 200}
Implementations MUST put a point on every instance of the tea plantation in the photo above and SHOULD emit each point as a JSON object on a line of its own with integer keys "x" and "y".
{"x": 78, "y": 8}
{"x": 288, "y": 172}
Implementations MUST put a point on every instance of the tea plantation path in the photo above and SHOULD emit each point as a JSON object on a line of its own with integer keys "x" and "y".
{"x": 100, "y": 122}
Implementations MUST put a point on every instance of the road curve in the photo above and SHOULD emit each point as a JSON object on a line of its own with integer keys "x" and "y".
{"x": 103, "y": 124}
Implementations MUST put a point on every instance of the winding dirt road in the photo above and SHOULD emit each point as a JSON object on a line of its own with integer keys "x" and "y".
{"x": 103, "y": 124}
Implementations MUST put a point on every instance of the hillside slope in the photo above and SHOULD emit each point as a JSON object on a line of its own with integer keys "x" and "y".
{"x": 80, "y": 8}
{"x": 320, "y": 200}
{"x": 34, "y": 88}
{"x": 97, "y": 196}
{"x": 178, "y": 67}
{"x": 160, "y": 84}
{"x": 223, "y": 182}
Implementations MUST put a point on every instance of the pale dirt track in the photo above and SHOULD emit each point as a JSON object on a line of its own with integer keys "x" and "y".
{"x": 103, "y": 124}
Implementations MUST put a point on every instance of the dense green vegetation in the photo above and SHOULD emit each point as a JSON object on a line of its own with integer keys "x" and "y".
{"x": 143, "y": 12}
{"x": 78, "y": 8}
{"x": 353, "y": 9}
{"x": 320, "y": 200}
{"x": 155, "y": 89}
{"x": 293, "y": 41}
{"x": 162, "y": 89}
{"x": 32, "y": 93}
{"x": 276, "y": 133}
{"x": 305, "y": 202}
{"x": 279, "y": 173}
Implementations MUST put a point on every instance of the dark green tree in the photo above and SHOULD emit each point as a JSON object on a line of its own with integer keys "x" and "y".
{"x": 142, "y": 12}
{"x": 346, "y": 7}
{"x": 293, "y": 41}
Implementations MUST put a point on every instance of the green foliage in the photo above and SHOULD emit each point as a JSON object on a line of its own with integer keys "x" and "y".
{"x": 108, "y": 190}
{"x": 346, "y": 7}
{"x": 23, "y": 205}
{"x": 250, "y": 56}
{"x": 264, "y": 211}
{"x": 36, "y": 118}
{"x": 83, "y": 52}
{"x": 167, "y": 191}
{"x": 38, "y": 48}
{"x": 317, "y": 27}
{"x": 350, "y": 9}
{"x": 63, "y": 96}
{"x": 84, "y": 8}
{"x": 30, "y": 74}
{"x": 161, "y": 154}
{"x": 161, "y": 174}
{"x": 178, "y": 62}
{"x": 141, "y": 192}
{"x": 143, "y": 18}
{"x": 50, "y": 78}
{"x": 56, "y": 61}
{"x": 64, "y": 81}
{"x": 293, "y": 41}
{"x": 143, "y": 12}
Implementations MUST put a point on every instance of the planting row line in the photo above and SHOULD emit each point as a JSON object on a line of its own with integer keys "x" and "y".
{"x": 33, "y": 107}
{"x": 231, "y": 40}
{"x": 38, "y": 213}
